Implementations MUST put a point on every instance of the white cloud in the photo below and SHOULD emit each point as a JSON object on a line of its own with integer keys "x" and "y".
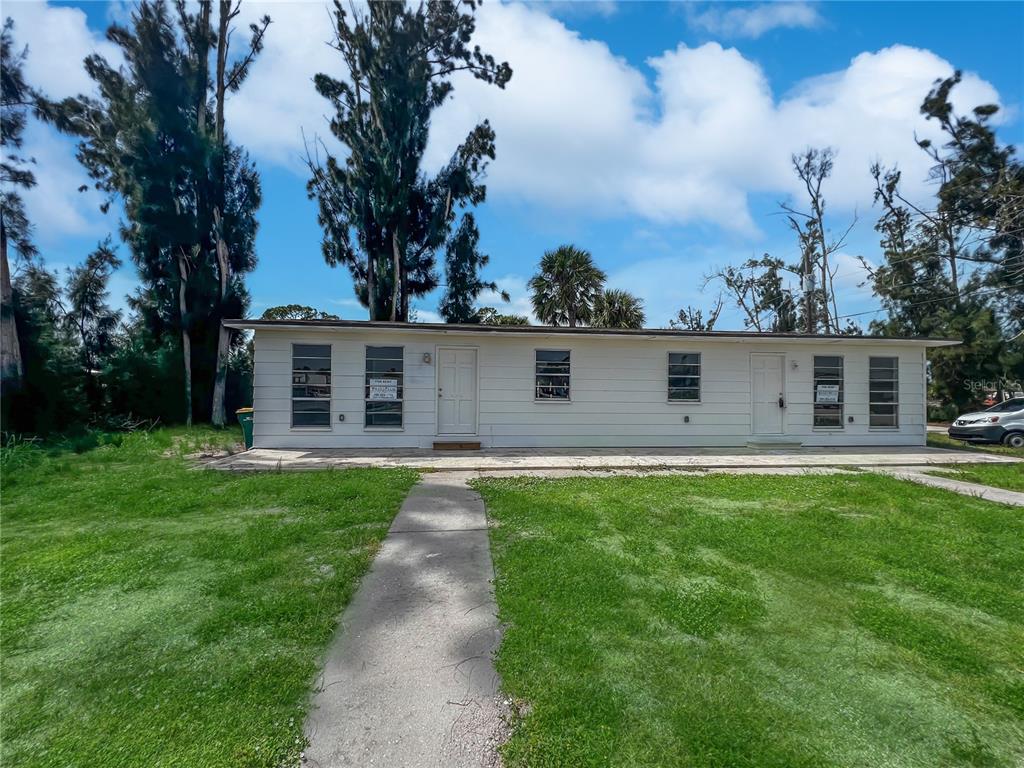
{"x": 278, "y": 102}
{"x": 519, "y": 295}
{"x": 58, "y": 40}
{"x": 579, "y": 128}
{"x": 686, "y": 139}
{"x": 348, "y": 303}
{"x": 752, "y": 21}
{"x": 666, "y": 284}
{"x": 55, "y": 206}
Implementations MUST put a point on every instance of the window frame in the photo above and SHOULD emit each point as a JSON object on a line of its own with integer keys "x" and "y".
{"x": 329, "y": 384}
{"x": 895, "y": 403}
{"x": 366, "y": 384}
{"x": 668, "y": 378}
{"x": 568, "y": 398}
{"x": 842, "y": 393}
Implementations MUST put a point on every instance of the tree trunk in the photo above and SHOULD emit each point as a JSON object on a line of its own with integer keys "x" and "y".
{"x": 217, "y": 415}
{"x": 371, "y": 285}
{"x": 405, "y": 292}
{"x": 808, "y": 288}
{"x": 397, "y": 270}
{"x": 953, "y": 272}
{"x": 824, "y": 300}
{"x": 186, "y": 338}
{"x": 203, "y": 54}
{"x": 11, "y": 370}
{"x": 223, "y": 25}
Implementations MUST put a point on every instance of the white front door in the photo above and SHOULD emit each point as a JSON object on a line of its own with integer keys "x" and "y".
{"x": 456, "y": 391}
{"x": 767, "y": 393}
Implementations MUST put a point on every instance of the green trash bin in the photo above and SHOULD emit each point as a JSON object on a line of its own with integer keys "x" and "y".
{"x": 245, "y": 419}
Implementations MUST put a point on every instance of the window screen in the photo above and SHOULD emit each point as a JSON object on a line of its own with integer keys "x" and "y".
{"x": 384, "y": 386}
{"x": 552, "y": 374}
{"x": 684, "y": 376}
{"x": 828, "y": 391}
{"x": 311, "y": 385}
{"x": 884, "y": 392}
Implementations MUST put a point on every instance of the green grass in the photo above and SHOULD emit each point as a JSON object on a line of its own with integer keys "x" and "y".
{"x": 939, "y": 440}
{"x": 154, "y": 615}
{"x": 758, "y": 621}
{"x": 1008, "y": 476}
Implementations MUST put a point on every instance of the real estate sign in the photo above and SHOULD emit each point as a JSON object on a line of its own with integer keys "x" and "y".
{"x": 826, "y": 393}
{"x": 383, "y": 389}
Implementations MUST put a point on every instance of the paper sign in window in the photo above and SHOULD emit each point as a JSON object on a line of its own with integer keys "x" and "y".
{"x": 383, "y": 389}
{"x": 826, "y": 393}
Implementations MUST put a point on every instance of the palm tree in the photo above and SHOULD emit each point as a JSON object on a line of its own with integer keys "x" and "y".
{"x": 618, "y": 309}
{"x": 565, "y": 288}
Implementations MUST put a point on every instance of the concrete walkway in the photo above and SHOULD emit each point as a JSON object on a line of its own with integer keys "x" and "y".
{"x": 599, "y": 458}
{"x": 409, "y": 679}
{"x": 916, "y": 475}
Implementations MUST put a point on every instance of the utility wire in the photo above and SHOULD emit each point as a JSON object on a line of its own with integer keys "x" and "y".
{"x": 978, "y": 292}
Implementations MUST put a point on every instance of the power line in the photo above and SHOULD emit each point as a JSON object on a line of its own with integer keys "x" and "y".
{"x": 978, "y": 292}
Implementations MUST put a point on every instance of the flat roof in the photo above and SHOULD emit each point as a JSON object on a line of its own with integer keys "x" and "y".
{"x": 551, "y": 330}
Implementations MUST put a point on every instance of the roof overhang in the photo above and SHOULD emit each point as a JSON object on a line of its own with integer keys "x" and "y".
{"x": 544, "y": 331}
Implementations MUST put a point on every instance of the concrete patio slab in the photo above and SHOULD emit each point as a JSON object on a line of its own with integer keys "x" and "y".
{"x": 522, "y": 459}
{"x": 409, "y": 679}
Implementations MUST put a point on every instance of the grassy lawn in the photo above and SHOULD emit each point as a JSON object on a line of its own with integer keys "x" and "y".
{"x": 758, "y": 621}
{"x": 157, "y": 616}
{"x": 939, "y": 440}
{"x": 1008, "y": 476}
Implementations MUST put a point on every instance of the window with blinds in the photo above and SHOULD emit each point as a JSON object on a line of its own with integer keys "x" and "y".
{"x": 311, "y": 385}
{"x": 884, "y": 392}
{"x": 684, "y": 377}
{"x": 552, "y": 374}
{"x": 384, "y": 387}
{"x": 828, "y": 392}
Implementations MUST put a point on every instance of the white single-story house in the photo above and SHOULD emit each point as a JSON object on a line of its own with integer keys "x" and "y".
{"x": 361, "y": 384}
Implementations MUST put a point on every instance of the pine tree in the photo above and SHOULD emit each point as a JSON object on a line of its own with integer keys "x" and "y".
{"x": 89, "y": 318}
{"x": 463, "y": 263}
{"x": 16, "y": 98}
{"x": 952, "y": 266}
{"x": 189, "y": 195}
{"x": 383, "y": 217}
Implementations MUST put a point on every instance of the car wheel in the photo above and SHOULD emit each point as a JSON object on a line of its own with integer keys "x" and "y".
{"x": 1014, "y": 440}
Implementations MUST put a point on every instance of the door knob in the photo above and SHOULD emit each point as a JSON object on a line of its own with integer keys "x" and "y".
{"x": 782, "y": 402}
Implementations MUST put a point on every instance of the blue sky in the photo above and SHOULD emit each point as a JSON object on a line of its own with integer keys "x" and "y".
{"x": 656, "y": 135}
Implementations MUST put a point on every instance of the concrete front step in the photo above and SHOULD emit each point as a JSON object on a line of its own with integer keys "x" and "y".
{"x": 774, "y": 443}
{"x": 456, "y": 445}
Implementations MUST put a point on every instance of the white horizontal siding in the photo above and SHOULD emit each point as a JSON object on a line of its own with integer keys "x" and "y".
{"x": 618, "y": 386}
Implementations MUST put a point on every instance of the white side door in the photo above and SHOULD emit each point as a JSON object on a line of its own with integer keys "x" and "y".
{"x": 767, "y": 391}
{"x": 456, "y": 391}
